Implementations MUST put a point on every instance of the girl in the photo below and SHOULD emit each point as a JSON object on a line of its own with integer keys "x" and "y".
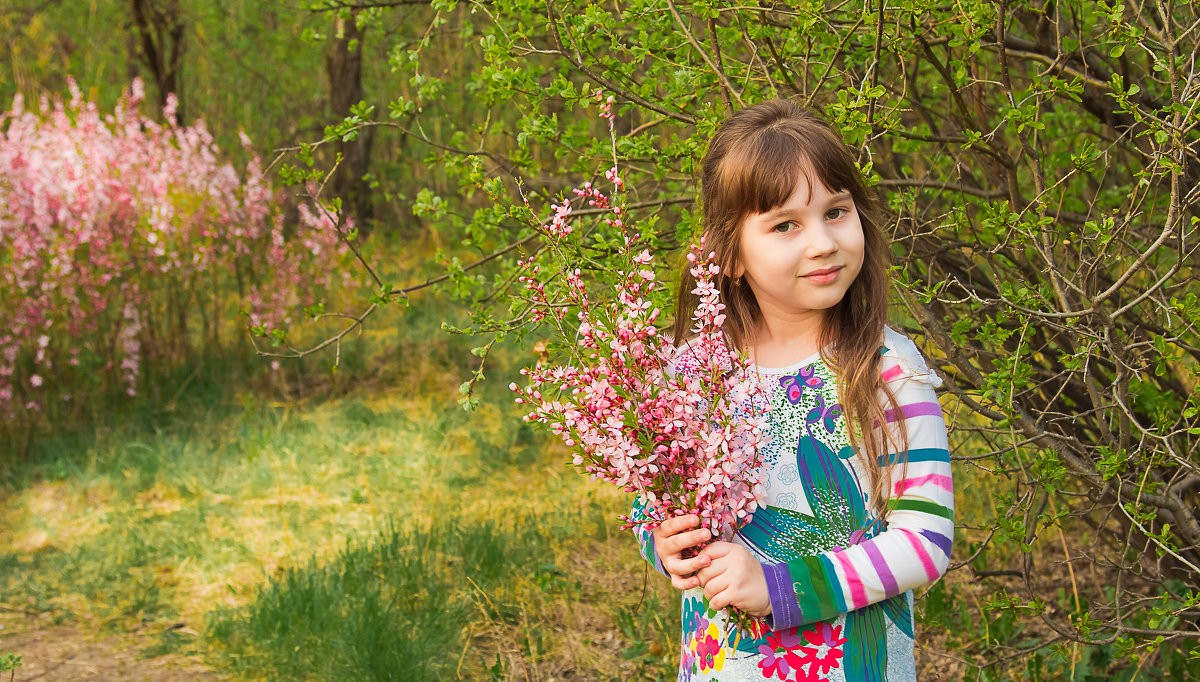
{"x": 856, "y": 515}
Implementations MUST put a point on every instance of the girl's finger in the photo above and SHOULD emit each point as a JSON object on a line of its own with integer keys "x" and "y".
{"x": 679, "y": 524}
{"x": 677, "y": 543}
{"x": 720, "y": 599}
{"x": 681, "y": 583}
{"x": 719, "y": 549}
{"x": 714, "y": 587}
{"x": 689, "y": 566}
{"x": 708, "y": 573}
{"x": 695, "y": 537}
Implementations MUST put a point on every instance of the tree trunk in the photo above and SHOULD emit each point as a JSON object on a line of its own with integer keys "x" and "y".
{"x": 344, "y": 68}
{"x": 159, "y": 27}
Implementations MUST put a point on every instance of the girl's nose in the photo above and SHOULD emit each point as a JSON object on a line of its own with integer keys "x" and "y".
{"x": 821, "y": 242}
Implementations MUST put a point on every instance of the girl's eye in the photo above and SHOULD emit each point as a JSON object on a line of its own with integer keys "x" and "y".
{"x": 836, "y": 213}
{"x": 784, "y": 227}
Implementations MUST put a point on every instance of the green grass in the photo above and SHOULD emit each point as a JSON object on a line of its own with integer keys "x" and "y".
{"x": 403, "y": 606}
{"x": 352, "y": 525}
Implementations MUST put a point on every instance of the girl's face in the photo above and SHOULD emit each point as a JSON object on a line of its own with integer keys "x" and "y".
{"x": 801, "y": 257}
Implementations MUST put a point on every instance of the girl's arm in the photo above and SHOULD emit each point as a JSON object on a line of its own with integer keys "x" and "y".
{"x": 915, "y": 548}
{"x": 645, "y": 537}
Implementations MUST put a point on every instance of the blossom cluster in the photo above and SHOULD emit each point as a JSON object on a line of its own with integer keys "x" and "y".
{"x": 117, "y": 230}
{"x": 606, "y": 104}
{"x": 679, "y": 426}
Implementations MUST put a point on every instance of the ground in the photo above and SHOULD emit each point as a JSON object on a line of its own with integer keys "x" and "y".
{"x": 73, "y": 653}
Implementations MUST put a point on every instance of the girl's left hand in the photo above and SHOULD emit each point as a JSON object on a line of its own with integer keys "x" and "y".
{"x": 734, "y": 578}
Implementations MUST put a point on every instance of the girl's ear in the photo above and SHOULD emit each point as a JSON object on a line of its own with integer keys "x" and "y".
{"x": 731, "y": 266}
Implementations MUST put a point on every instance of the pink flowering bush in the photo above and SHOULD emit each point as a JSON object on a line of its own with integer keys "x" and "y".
{"x": 676, "y": 426}
{"x": 124, "y": 240}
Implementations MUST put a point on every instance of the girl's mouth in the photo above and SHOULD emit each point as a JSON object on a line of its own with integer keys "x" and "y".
{"x": 824, "y": 276}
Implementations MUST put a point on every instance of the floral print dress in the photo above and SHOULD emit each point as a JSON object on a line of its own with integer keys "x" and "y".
{"x": 840, "y": 581}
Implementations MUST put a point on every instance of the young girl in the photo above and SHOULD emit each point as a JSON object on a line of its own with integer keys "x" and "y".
{"x": 856, "y": 515}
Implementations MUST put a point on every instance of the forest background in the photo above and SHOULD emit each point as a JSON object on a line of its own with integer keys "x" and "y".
{"x": 363, "y": 495}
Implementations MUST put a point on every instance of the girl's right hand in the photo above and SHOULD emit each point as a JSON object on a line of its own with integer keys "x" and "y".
{"x": 673, "y": 536}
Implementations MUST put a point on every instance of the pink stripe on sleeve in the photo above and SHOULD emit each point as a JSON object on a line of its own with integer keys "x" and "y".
{"x": 891, "y": 373}
{"x": 940, "y": 480}
{"x": 931, "y": 571}
{"x": 858, "y": 594}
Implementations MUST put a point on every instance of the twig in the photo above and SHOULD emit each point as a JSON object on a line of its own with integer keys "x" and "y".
{"x": 728, "y": 87}
{"x": 609, "y": 85}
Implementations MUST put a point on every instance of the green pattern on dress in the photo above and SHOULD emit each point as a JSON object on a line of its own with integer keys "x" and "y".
{"x": 839, "y": 519}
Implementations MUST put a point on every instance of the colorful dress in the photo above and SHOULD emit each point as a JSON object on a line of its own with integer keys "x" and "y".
{"x": 840, "y": 582}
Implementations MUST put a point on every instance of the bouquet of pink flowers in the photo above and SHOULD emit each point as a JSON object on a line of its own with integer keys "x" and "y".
{"x": 675, "y": 425}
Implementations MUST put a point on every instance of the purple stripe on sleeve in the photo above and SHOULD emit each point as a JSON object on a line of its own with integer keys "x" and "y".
{"x": 652, "y": 555}
{"x": 943, "y": 543}
{"x": 881, "y": 567}
{"x": 927, "y": 409}
{"x": 785, "y": 607}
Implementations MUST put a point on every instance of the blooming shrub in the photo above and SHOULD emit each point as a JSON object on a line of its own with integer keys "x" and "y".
{"x": 677, "y": 426}
{"x": 118, "y": 234}
{"x": 683, "y": 439}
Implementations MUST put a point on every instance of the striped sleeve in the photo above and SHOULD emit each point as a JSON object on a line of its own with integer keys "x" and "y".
{"x": 914, "y": 550}
{"x": 644, "y": 536}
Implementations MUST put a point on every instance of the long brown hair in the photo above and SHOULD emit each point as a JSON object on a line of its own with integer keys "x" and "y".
{"x": 753, "y": 163}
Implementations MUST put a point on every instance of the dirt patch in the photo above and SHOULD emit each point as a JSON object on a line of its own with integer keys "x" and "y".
{"x": 70, "y": 653}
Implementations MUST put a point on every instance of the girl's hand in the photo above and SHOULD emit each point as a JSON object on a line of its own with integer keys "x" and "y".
{"x": 673, "y": 536}
{"x": 734, "y": 578}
